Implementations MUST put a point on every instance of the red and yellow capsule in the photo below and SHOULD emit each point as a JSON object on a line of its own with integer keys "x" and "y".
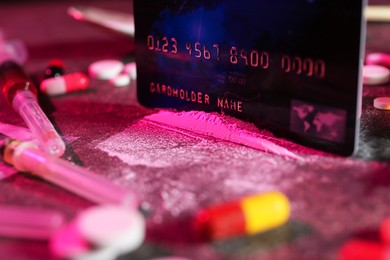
{"x": 250, "y": 215}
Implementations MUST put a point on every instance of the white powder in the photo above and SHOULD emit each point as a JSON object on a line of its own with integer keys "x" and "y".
{"x": 222, "y": 127}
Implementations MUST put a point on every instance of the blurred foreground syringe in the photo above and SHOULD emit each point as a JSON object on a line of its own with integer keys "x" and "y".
{"x": 25, "y": 156}
{"x": 21, "y": 94}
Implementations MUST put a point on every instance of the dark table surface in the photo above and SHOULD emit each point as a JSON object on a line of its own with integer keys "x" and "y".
{"x": 333, "y": 198}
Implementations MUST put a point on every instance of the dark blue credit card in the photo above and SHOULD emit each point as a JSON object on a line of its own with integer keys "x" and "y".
{"x": 291, "y": 66}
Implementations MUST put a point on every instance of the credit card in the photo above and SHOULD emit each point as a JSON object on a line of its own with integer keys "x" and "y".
{"x": 291, "y": 66}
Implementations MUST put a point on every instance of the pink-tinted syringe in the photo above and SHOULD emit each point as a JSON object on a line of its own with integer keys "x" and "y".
{"x": 24, "y": 156}
{"x": 21, "y": 94}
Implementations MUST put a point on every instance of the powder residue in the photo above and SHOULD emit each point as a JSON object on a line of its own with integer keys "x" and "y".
{"x": 222, "y": 127}
{"x": 179, "y": 171}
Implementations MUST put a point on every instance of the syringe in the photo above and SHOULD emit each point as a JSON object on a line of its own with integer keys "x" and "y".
{"x": 25, "y": 156}
{"x": 21, "y": 94}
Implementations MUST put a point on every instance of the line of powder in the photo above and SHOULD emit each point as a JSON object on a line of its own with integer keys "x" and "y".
{"x": 220, "y": 127}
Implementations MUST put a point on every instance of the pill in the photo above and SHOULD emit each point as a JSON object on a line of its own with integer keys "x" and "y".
{"x": 247, "y": 216}
{"x": 131, "y": 69}
{"x": 105, "y": 69}
{"x": 54, "y": 69}
{"x": 382, "y": 59}
{"x": 122, "y": 80}
{"x": 112, "y": 226}
{"x": 362, "y": 250}
{"x": 382, "y": 103}
{"x": 64, "y": 84}
{"x": 375, "y": 75}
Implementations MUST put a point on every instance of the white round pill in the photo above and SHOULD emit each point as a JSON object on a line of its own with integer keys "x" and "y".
{"x": 105, "y": 69}
{"x": 382, "y": 103}
{"x": 117, "y": 227}
{"x": 122, "y": 80}
{"x": 375, "y": 75}
{"x": 131, "y": 69}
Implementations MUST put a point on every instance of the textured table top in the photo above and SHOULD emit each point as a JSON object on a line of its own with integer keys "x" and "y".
{"x": 333, "y": 198}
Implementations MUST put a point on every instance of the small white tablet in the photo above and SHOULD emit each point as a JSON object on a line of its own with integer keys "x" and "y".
{"x": 375, "y": 75}
{"x": 382, "y": 103}
{"x": 122, "y": 80}
{"x": 105, "y": 69}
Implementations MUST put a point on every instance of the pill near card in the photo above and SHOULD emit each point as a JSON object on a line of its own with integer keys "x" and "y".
{"x": 375, "y": 75}
{"x": 382, "y": 103}
{"x": 64, "y": 84}
{"x": 382, "y": 59}
{"x": 122, "y": 80}
{"x": 112, "y": 226}
{"x": 105, "y": 69}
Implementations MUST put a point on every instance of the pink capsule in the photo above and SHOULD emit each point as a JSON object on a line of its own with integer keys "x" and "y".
{"x": 382, "y": 59}
{"x": 64, "y": 84}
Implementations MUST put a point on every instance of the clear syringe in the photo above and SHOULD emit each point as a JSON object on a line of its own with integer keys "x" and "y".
{"x": 25, "y": 156}
{"x": 21, "y": 94}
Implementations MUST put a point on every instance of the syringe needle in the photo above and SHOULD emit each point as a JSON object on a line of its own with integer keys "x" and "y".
{"x": 21, "y": 94}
